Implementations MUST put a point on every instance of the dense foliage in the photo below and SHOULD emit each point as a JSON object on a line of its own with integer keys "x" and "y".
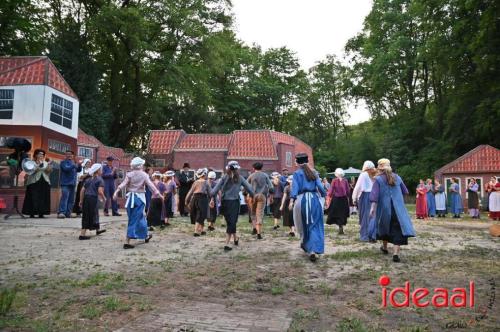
{"x": 427, "y": 69}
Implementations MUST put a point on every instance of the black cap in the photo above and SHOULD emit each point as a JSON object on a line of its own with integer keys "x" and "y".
{"x": 186, "y": 165}
{"x": 302, "y": 158}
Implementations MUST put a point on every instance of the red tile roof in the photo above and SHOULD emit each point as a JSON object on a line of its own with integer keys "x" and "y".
{"x": 282, "y": 138}
{"x": 252, "y": 144}
{"x": 164, "y": 141}
{"x": 204, "y": 142}
{"x": 32, "y": 70}
{"x": 482, "y": 159}
{"x": 85, "y": 139}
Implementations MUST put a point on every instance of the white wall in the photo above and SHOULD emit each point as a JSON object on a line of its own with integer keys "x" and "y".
{"x": 28, "y": 104}
{"x": 32, "y": 108}
{"x": 46, "y": 113}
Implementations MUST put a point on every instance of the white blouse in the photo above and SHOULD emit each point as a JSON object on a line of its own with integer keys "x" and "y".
{"x": 364, "y": 184}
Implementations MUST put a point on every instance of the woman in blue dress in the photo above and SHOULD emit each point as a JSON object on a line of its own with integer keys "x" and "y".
{"x": 431, "y": 202}
{"x": 388, "y": 208}
{"x": 308, "y": 194}
{"x": 456, "y": 206}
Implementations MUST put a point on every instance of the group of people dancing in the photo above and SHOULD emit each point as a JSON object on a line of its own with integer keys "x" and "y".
{"x": 432, "y": 200}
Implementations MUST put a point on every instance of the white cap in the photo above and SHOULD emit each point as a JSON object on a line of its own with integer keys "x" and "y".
{"x": 212, "y": 175}
{"x": 169, "y": 174}
{"x": 85, "y": 161}
{"x": 234, "y": 164}
{"x": 368, "y": 165}
{"x": 201, "y": 172}
{"x": 94, "y": 168}
{"x": 156, "y": 174}
{"x": 137, "y": 161}
{"x": 275, "y": 174}
{"x": 339, "y": 172}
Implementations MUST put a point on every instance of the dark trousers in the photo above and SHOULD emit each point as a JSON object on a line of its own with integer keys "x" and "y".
{"x": 109, "y": 189}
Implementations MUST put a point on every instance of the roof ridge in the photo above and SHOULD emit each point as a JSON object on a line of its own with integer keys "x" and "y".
{"x": 57, "y": 73}
{"x": 464, "y": 156}
{"x": 29, "y": 63}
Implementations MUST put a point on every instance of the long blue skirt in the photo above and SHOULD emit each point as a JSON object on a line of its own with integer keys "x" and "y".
{"x": 456, "y": 203}
{"x": 308, "y": 218}
{"x": 364, "y": 216}
{"x": 431, "y": 204}
{"x": 137, "y": 224}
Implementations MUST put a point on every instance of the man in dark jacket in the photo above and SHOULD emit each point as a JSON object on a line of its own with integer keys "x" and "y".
{"x": 68, "y": 184}
{"x": 109, "y": 176}
{"x": 185, "y": 183}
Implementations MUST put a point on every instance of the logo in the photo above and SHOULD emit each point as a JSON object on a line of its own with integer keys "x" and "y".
{"x": 423, "y": 297}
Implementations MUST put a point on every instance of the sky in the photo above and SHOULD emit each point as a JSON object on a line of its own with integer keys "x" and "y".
{"x": 310, "y": 28}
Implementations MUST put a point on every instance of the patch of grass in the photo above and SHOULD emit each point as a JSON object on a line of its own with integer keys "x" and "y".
{"x": 349, "y": 255}
{"x": 301, "y": 317}
{"x": 116, "y": 281}
{"x": 351, "y": 325}
{"x": 325, "y": 289}
{"x": 7, "y": 297}
{"x": 277, "y": 290}
{"x": 91, "y": 311}
{"x": 113, "y": 303}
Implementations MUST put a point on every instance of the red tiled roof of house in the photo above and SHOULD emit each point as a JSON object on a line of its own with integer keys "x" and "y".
{"x": 163, "y": 141}
{"x": 282, "y": 138}
{"x": 85, "y": 139}
{"x": 204, "y": 142}
{"x": 252, "y": 144}
{"x": 303, "y": 147}
{"x": 482, "y": 159}
{"x": 32, "y": 70}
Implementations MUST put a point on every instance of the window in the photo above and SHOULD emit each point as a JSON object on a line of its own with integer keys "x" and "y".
{"x": 86, "y": 152}
{"x": 6, "y": 103}
{"x": 159, "y": 162}
{"x": 61, "y": 111}
{"x": 58, "y": 147}
{"x": 288, "y": 159}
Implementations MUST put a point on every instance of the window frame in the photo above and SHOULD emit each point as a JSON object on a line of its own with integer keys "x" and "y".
{"x": 60, "y": 110}
{"x": 7, "y": 110}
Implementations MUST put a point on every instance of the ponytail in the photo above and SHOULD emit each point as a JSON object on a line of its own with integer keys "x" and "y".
{"x": 310, "y": 175}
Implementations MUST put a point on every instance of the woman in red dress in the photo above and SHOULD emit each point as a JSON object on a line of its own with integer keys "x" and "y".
{"x": 421, "y": 201}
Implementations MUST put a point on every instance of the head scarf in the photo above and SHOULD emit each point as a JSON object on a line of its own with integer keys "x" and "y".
{"x": 94, "y": 168}
{"x": 368, "y": 165}
{"x": 339, "y": 172}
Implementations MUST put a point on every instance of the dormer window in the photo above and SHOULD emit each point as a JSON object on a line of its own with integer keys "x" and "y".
{"x": 61, "y": 111}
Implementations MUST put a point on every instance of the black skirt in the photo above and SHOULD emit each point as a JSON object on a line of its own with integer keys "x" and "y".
{"x": 275, "y": 207}
{"x": 168, "y": 205}
{"x": 90, "y": 213}
{"x": 155, "y": 212}
{"x": 395, "y": 235}
{"x": 37, "y": 199}
{"x": 212, "y": 213}
{"x": 76, "y": 207}
{"x": 473, "y": 200}
{"x": 199, "y": 209}
{"x": 287, "y": 215}
{"x": 231, "y": 209}
{"x": 338, "y": 211}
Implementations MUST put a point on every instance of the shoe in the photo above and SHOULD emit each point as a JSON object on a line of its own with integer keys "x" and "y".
{"x": 211, "y": 228}
{"x": 32, "y": 216}
{"x": 196, "y": 234}
{"x": 151, "y": 228}
{"x": 259, "y": 237}
{"x": 277, "y": 226}
{"x": 341, "y": 231}
{"x": 41, "y": 216}
{"x": 254, "y": 231}
{"x": 167, "y": 224}
{"x": 106, "y": 214}
{"x": 227, "y": 248}
{"x": 146, "y": 240}
{"x": 236, "y": 242}
{"x": 291, "y": 234}
{"x": 117, "y": 215}
{"x": 100, "y": 231}
{"x": 395, "y": 258}
{"x": 203, "y": 233}
{"x": 61, "y": 216}
{"x": 384, "y": 251}
{"x": 128, "y": 246}
{"x": 313, "y": 257}
{"x": 83, "y": 237}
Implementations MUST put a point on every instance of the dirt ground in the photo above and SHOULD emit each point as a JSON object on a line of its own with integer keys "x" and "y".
{"x": 50, "y": 281}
